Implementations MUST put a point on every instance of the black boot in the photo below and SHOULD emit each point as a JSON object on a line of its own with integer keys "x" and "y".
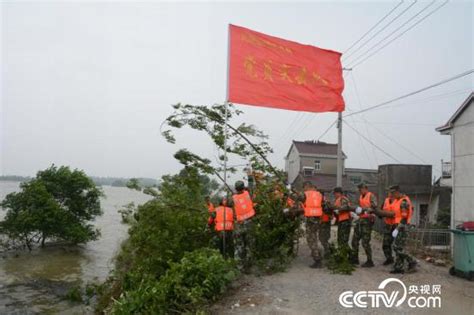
{"x": 368, "y": 264}
{"x": 354, "y": 260}
{"x": 388, "y": 261}
{"x": 412, "y": 266}
{"x": 395, "y": 271}
{"x": 317, "y": 264}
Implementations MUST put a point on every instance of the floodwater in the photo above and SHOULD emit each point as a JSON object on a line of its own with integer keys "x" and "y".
{"x": 35, "y": 282}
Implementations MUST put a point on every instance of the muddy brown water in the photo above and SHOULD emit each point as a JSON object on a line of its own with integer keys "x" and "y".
{"x": 35, "y": 282}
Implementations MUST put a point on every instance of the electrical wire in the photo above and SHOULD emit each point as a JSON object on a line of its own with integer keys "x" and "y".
{"x": 398, "y": 36}
{"x": 458, "y": 76}
{"x": 327, "y": 130}
{"x": 382, "y": 29}
{"x": 373, "y": 27}
{"x": 362, "y": 116}
{"x": 393, "y": 32}
{"x": 376, "y": 146}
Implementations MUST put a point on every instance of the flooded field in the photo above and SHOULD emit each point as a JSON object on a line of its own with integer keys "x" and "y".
{"x": 35, "y": 282}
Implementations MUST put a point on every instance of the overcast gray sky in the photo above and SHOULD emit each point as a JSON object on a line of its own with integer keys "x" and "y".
{"x": 87, "y": 84}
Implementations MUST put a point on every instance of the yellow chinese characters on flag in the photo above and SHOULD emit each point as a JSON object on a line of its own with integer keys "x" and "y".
{"x": 272, "y": 72}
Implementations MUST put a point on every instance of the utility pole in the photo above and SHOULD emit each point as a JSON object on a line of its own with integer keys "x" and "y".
{"x": 339, "y": 151}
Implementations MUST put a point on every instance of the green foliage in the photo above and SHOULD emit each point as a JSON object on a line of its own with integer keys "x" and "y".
{"x": 199, "y": 277}
{"x": 166, "y": 228}
{"x": 275, "y": 233}
{"x": 443, "y": 218}
{"x": 244, "y": 141}
{"x": 338, "y": 261}
{"x": 57, "y": 204}
{"x": 127, "y": 212}
{"x": 133, "y": 183}
{"x": 151, "y": 191}
{"x": 74, "y": 294}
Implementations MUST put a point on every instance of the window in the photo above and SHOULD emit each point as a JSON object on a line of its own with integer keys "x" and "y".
{"x": 307, "y": 171}
{"x": 317, "y": 165}
{"x": 356, "y": 180}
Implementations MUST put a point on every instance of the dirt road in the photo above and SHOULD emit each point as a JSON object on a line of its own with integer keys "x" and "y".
{"x": 302, "y": 290}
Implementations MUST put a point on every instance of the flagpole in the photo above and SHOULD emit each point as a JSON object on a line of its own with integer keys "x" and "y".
{"x": 339, "y": 151}
{"x": 226, "y": 111}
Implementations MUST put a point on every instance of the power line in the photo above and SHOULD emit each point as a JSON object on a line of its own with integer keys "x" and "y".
{"x": 327, "y": 130}
{"x": 373, "y": 27}
{"x": 376, "y": 146}
{"x": 382, "y": 29}
{"x": 393, "y": 32}
{"x": 412, "y": 26}
{"x": 458, "y": 76}
{"x": 362, "y": 117}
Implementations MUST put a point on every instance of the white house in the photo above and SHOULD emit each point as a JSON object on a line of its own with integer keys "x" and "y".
{"x": 461, "y": 129}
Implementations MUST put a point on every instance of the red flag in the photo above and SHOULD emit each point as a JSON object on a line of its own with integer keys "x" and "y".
{"x": 273, "y": 72}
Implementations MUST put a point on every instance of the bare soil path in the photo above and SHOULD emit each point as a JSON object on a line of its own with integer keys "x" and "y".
{"x": 302, "y": 290}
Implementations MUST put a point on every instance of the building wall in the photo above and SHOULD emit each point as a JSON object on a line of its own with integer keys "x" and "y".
{"x": 293, "y": 164}
{"x": 462, "y": 142}
{"x": 328, "y": 164}
{"x": 368, "y": 177}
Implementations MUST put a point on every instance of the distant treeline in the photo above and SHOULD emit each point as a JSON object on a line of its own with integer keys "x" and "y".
{"x": 108, "y": 181}
{"x": 122, "y": 182}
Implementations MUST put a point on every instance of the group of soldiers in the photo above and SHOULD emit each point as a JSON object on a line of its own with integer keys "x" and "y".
{"x": 232, "y": 221}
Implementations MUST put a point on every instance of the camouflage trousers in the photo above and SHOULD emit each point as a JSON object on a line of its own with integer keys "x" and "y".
{"x": 225, "y": 247}
{"x": 312, "y": 237}
{"x": 362, "y": 232}
{"x": 324, "y": 236}
{"x": 388, "y": 240}
{"x": 243, "y": 242}
{"x": 343, "y": 232}
{"x": 401, "y": 255}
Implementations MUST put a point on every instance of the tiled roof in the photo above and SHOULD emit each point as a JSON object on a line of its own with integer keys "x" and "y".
{"x": 316, "y": 147}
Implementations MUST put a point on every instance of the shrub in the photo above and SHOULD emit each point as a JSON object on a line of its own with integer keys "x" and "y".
{"x": 275, "y": 233}
{"x": 199, "y": 277}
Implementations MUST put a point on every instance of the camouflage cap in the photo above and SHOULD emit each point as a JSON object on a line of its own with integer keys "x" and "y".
{"x": 239, "y": 185}
{"x": 362, "y": 185}
{"x": 394, "y": 188}
{"x": 338, "y": 190}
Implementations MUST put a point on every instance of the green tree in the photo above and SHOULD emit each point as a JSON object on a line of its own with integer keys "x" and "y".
{"x": 58, "y": 203}
{"x": 133, "y": 183}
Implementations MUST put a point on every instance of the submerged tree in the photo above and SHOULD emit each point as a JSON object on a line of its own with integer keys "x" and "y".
{"x": 57, "y": 204}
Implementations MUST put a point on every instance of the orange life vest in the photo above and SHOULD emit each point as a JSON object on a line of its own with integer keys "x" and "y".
{"x": 224, "y": 223}
{"x": 364, "y": 202}
{"x": 313, "y": 205}
{"x": 325, "y": 217}
{"x": 388, "y": 206}
{"x": 343, "y": 215}
{"x": 210, "y": 207}
{"x": 399, "y": 214}
{"x": 243, "y": 206}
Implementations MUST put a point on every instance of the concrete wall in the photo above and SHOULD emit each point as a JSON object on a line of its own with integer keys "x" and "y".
{"x": 328, "y": 164}
{"x": 293, "y": 164}
{"x": 462, "y": 157}
{"x": 411, "y": 178}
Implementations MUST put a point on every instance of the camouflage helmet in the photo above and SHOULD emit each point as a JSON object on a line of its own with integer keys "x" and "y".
{"x": 239, "y": 185}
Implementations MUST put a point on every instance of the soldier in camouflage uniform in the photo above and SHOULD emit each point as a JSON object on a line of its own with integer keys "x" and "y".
{"x": 404, "y": 209}
{"x": 243, "y": 240}
{"x": 312, "y": 205}
{"x": 342, "y": 209}
{"x": 325, "y": 229}
{"x": 389, "y": 226}
{"x": 363, "y": 226}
